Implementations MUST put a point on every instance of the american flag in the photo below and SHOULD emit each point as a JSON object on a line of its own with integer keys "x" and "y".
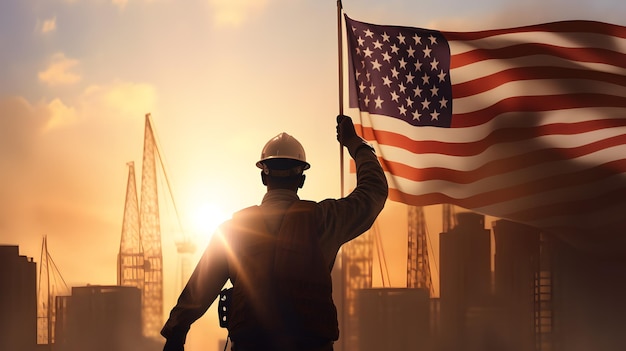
{"x": 526, "y": 124}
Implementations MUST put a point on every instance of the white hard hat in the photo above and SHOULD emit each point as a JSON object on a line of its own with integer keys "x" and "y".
{"x": 286, "y": 148}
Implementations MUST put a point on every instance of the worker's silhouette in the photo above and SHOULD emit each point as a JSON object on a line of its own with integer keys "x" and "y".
{"x": 279, "y": 255}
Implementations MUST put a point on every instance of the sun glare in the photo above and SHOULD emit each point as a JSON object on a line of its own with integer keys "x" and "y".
{"x": 205, "y": 218}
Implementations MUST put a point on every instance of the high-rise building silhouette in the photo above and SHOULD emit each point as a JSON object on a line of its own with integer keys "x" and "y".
{"x": 18, "y": 300}
{"x": 465, "y": 256}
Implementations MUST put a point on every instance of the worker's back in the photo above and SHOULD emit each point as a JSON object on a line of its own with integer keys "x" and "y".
{"x": 282, "y": 292}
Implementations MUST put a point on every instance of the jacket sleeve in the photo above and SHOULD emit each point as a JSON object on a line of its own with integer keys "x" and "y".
{"x": 203, "y": 287}
{"x": 346, "y": 218}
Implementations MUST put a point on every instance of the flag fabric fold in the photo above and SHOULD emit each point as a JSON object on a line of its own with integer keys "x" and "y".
{"x": 526, "y": 124}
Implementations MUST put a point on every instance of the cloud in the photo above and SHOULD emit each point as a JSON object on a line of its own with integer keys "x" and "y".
{"x": 60, "y": 115}
{"x": 49, "y": 25}
{"x": 59, "y": 71}
{"x": 120, "y": 98}
{"x": 231, "y": 13}
{"x": 63, "y": 170}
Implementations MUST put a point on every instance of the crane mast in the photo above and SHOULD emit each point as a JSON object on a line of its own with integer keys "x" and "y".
{"x": 150, "y": 233}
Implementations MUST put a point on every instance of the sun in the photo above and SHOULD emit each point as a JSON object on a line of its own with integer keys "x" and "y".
{"x": 205, "y": 218}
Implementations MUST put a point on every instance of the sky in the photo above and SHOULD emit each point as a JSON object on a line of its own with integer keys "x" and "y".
{"x": 219, "y": 77}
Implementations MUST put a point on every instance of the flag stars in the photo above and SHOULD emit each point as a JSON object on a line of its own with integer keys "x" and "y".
{"x": 402, "y": 88}
{"x": 402, "y": 74}
{"x": 418, "y": 65}
{"x": 379, "y": 102}
{"x": 409, "y": 78}
{"x": 442, "y": 76}
{"x": 368, "y": 52}
{"x": 409, "y": 102}
{"x": 394, "y": 96}
{"x": 434, "y": 91}
{"x": 443, "y": 103}
{"x": 402, "y": 63}
{"x": 411, "y": 51}
{"x": 401, "y": 38}
{"x": 386, "y": 57}
{"x": 387, "y": 81}
{"x": 417, "y": 91}
{"x": 376, "y": 65}
{"x": 434, "y": 65}
{"x": 402, "y": 110}
{"x": 394, "y": 73}
{"x": 427, "y": 51}
{"x": 362, "y": 87}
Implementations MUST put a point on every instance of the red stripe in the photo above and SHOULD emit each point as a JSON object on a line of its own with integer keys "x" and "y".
{"x": 595, "y": 55}
{"x": 496, "y": 136}
{"x": 535, "y": 104}
{"x": 563, "y": 27}
{"x": 491, "y": 81}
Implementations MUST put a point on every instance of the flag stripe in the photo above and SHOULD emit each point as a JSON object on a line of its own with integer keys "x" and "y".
{"x": 503, "y": 135}
{"x": 572, "y": 54}
{"x": 488, "y": 82}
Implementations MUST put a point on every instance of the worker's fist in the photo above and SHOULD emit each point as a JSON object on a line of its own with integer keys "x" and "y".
{"x": 345, "y": 130}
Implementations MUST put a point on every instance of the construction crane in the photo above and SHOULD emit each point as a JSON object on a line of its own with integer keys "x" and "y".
{"x": 140, "y": 259}
{"x": 51, "y": 284}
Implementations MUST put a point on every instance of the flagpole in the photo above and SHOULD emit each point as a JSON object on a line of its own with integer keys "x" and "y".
{"x": 340, "y": 53}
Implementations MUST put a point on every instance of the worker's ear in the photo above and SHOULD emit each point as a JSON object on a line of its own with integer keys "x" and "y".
{"x": 302, "y": 177}
{"x": 264, "y": 178}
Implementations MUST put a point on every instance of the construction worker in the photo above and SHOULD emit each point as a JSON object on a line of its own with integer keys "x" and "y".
{"x": 279, "y": 255}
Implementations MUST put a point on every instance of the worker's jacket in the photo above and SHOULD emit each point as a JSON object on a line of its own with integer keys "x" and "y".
{"x": 282, "y": 290}
{"x": 337, "y": 221}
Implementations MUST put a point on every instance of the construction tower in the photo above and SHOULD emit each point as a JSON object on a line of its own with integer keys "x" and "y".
{"x": 51, "y": 284}
{"x": 130, "y": 260}
{"x": 150, "y": 233}
{"x": 418, "y": 264}
{"x": 140, "y": 260}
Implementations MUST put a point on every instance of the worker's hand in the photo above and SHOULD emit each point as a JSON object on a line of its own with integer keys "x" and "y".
{"x": 171, "y": 345}
{"x": 345, "y": 130}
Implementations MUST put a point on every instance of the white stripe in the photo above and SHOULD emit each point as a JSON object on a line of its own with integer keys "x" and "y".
{"x": 563, "y": 39}
{"x": 535, "y": 88}
{"x": 491, "y": 66}
{"x": 471, "y": 134}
